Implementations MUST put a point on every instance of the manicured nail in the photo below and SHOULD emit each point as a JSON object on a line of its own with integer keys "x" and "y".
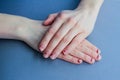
{"x": 52, "y": 57}
{"x": 99, "y": 57}
{"x": 45, "y": 56}
{"x": 65, "y": 51}
{"x": 80, "y": 61}
{"x": 98, "y": 51}
{"x": 41, "y": 48}
{"x": 92, "y": 60}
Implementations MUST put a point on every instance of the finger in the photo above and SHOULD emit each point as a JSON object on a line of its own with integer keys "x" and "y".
{"x": 83, "y": 56}
{"x": 50, "y": 19}
{"x": 70, "y": 58}
{"x": 83, "y": 48}
{"x": 59, "y": 36}
{"x": 50, "y": 33}
{"x": 74, "y": 43}
{"x": 91, "y": 46}
{"x": 65, "y": 41}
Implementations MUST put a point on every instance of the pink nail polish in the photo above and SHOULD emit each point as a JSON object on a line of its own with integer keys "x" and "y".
{"x": 79, "y": 61}
{"x": 98, "y": 51}
{"x": 45, "y": 56}
{"x": 52, "y": 57}
{"x": 92, "y": 60}
{"x": 41, "y": 48}
{"x": 65, "y": 51}
{"x": 99, "y": 57}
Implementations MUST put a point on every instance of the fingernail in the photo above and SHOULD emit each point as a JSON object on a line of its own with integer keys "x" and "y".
{"x": 41, "y": 48}
{"x": 45, "y": 56}
{"x": 99, "y": 57}
{"x": 52, "y": 57}
{"x": 98, "y": 51}
{"x": 65, "y": 52}
{"x": 80, "y": 61}
{"x": 92, "y": 60}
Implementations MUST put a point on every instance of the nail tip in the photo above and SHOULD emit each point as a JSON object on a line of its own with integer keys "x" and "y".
{"x": 41, "y": 49}
{"x": 52, "y": 57}
{"x": 98, "y": 51}
{"x": 92, "y": 61}
{"x": 99, "y": 58}
{"x": 45, "y": 57}
{"x": 80, "y": 61}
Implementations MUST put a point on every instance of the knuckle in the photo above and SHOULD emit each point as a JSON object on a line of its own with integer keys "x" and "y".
{"x": 71, "y": 20}
{"x": 62, "y": 15}
{"x": 65, "y": 40}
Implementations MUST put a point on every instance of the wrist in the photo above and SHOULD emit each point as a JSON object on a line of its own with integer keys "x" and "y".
{"x": 24, "y": 27}
{"x": 28, "y": 29}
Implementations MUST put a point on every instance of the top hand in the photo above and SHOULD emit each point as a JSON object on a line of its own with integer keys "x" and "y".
{"x": 69, "y": 28}
{"x": 67, "y": 31}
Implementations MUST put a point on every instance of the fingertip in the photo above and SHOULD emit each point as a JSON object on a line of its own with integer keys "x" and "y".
{"x": 45, "y": 55}
{"x": 98, "y": 51}
{"x": 41, "y": 48}
{"x": 92, "y": 61}
{"x": 45, "y": 22}
{"x": 65, "y": 51}
{"x": 99, "y": 57}
{"x": 80, "y": 61}
{"x": 52, "y": 57}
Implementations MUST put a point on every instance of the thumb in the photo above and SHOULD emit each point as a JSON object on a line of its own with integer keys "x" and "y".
{"x": 50, "y": 19}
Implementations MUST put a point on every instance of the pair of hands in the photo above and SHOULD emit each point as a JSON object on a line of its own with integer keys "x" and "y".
{"x": 79, "y": 49}
{"x": 85, "y": 51}
{"x": 66, "y": 35}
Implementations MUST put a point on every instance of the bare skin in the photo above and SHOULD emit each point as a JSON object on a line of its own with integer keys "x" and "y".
{"x": 69, "y": 28}
{"x": 32, "y": 31}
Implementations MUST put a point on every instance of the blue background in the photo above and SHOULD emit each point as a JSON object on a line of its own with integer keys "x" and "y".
{"x": 19, "y": 62}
